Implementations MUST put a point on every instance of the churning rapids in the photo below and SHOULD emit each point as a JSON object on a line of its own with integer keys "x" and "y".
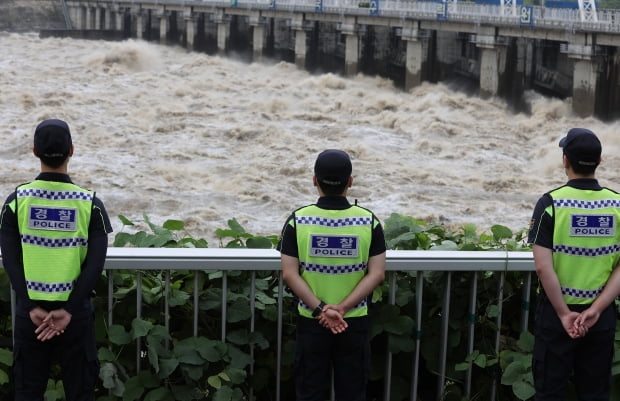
{"x": 182, "y": 135}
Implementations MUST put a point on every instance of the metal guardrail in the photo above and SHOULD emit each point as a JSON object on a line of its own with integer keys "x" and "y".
{"x": 608, "y": 20}
{"x": 253, "y": 260}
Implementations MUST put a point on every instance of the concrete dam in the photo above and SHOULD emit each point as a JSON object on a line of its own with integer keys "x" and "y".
{"x": 492, "y": 53}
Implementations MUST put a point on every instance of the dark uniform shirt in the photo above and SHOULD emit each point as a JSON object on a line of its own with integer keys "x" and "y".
{"x": 79, "y": 303}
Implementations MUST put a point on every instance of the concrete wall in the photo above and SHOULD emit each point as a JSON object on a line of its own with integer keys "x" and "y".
{"x": 30, "y": 15}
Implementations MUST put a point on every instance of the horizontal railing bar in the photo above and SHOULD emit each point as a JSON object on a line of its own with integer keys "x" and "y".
{"x": 269, "y": 259}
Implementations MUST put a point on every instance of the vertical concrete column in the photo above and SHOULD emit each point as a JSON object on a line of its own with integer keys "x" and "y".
{"x": 298, "y": 26}
{"x": 414, "y": 56}
{"x": 89, "y": 18}
{"x": 119, "y": 20}
{"x": 300, "y": 48}
{"x": 258, "y": 35}
{"x": 97, "y": 16}
{"x": 109, "y": 16}
{"x": 585, "y": 75}
{"x": 78, "y": 17}
{"x": 164, "y": 25}
{"x": 190, "y": 31}
{"x": 258, "y": 41}
{"x": 139, "y": 24}
{"x": 489, "y": 71}
{"x": 413, "y": 63}
{"x": 223, "y": 30}
{"x": 352, "y": 43}
{"x": 489, "y": 60}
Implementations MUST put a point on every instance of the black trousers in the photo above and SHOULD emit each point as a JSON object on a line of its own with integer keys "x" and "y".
{"x": 75, "y": 350}
{"x": 318, "y": 351}
{"x": 557, "y": 358}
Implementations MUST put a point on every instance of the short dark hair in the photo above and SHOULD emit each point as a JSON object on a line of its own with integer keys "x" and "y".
{"x": 580, "y": 168}
{"x": 333, "y": 190}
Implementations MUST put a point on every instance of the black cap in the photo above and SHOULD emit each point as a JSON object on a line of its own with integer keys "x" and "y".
{"x": 582, "y": 147}
{"x": 52, "y": 139}
{"x": 333, "y": 167}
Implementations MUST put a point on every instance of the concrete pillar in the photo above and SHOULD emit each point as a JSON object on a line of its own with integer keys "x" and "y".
{"x": 414, "y": 56}
{"x": 300, "y": 48}
{"x": 190, "y": 31}
{"x": 413, "y": 64}
{"x": 139, "y": 25}
{"x": 89, "y": 18}
{"x": 489, "y": 71}
{"x": 223, "y": 30}
{"x": 256, "y": 21}
{"x": 119, "y": 20}
{"x": 489, "y": 60}
{"x": 79, "y": 14}
{"x": 258, "y": 42}
{"x": 585, "y": 73}
{"x": 584, "y": 87}
{"x": 97, "y": 24}
{"x": 352, "y": 43}
{"x": 109, "y": 15}
{"x": 351, "y": 55}
{"x": 164, "y": 26}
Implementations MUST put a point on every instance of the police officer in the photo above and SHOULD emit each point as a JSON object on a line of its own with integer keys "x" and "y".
{"x": 53, "y": 237}
{"x": 333, "y": 256}
{"x": 575, "y": 237}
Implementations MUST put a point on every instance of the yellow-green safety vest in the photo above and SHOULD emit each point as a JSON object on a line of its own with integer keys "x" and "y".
{"x": 586, "y": 240}
{"x": 333, "y": 250}
{"x": 53, "y": 219}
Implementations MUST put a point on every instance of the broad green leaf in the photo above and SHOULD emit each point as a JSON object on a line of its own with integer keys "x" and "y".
{"x": 526, "y": 342}
{"x": 178, "y": 298}
{"x": 105, "y": 355}
{"x": 133, "y": 389}
{"x": 140, "y": 327}
{"x": 236, "y": 376}
{"x": 513, "y": 373}
{"x": 500, "y": 232}
{"x": 524, "y": 391}
{"x": 118, "y": 335}
{"x": 193, "y": 371}
{"x": 223, "y": 394}
{"x": 215, "y": 381}
{"x": 166, "y": 367}
{"x": 238, "y": 311}
{"x": 125, "y": 220}
{"x": 188, "y": 355}
{"x": 159, "y": 394}
{"x": 174, "y": 225}
{"x": 153, "y": 357}
{"x": 259, "y": 242}
{"x": 481, "y": 361}
{"x": 4, "y": 377}
{"x": 238, "y": 358}
{"x": 6, "y": 357}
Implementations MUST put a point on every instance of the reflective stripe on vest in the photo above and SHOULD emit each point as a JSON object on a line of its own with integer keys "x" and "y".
{"x": 586, "y": 241}
{"x": 333, "y": 243}
{"x": 53, "y": 219}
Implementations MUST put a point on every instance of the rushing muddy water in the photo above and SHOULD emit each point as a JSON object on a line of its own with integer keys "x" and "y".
{"x": 175, "y": 134}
